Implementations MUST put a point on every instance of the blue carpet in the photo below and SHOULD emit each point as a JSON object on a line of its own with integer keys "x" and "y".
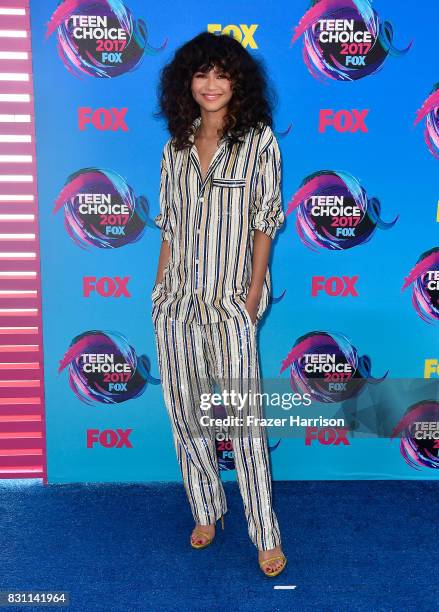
{"x": 352, "y": 545}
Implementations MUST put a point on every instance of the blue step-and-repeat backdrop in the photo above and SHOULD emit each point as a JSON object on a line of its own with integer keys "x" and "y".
{"x": 355, "y": 268}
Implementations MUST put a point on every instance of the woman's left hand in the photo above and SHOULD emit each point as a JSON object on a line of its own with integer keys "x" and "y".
{"x": 252, "y": 306}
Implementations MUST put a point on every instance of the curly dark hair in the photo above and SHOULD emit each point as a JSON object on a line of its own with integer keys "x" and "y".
{"x": 253, "y": 96}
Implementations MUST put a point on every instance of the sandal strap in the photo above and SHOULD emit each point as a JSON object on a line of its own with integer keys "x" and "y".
{"x": 202, "y": 533}
{"x": 265, "y": 561}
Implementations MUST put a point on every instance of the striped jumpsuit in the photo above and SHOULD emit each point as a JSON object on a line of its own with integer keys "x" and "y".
{"x": 204, "y": 334}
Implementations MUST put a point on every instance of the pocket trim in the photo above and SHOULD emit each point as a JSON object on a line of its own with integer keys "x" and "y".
{"x": 247, "y": 314}
{"x": 229, "y": 182}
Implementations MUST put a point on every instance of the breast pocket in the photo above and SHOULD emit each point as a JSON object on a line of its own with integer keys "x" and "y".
{"x": 230, "y": 195}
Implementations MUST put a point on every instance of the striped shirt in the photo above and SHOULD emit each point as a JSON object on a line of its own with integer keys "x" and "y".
{"x": 210, "y": 225}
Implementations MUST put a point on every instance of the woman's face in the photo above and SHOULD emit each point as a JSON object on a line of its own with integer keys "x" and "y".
{"x": 211, "y": 90}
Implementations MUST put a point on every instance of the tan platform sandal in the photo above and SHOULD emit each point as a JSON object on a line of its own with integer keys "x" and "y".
{"x": 265, "y": 562}
{"x": 203, "y": 534}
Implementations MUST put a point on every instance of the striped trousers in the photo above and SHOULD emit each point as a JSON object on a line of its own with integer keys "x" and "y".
{"x": 192, "y": 357}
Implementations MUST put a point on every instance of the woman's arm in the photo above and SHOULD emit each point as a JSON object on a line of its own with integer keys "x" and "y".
{"x": 266, "y": 218}
{"x": 261, "y": 256}
{"x": 162, "y": 219}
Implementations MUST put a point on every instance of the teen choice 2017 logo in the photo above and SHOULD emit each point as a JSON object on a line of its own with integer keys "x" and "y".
{"x": 430, "y": 111}
{"x": 99, "y": 38}
{"x": 345, "y": 40}
{"x": 419, "y": 431}
{"x": 425, "y": 280}
{"x": 101, "y": 209}
{"x": 223, "y": 442}
{"x": 334, "y": 211}
{"x": 326, "y": 365}
{"x": 104, "y": 368}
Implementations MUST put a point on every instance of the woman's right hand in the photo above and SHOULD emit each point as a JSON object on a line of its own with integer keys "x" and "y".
{"x": 165, "y": 253}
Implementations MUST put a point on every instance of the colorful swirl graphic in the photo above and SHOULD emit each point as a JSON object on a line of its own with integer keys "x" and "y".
{"x": 352, "y": 52}
{"x": 99, "y": 38}
{"x": 326, "y": 365}
{"x": 425, "y": 279}
{"x": 276, "y": 300}
{"x": 101, "y": 209}
{"x": 419, "y": 430}
{"x": 104, "y": 368}
{"x": 430, "y": 110}
{"x": 334, "y": 212}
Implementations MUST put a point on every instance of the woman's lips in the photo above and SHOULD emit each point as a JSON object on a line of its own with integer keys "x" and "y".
{"x": 211, "y": 96}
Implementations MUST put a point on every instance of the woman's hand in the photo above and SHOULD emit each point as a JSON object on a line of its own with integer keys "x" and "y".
{"x": 165, "y": 252}
{"x": 261, "y": 253}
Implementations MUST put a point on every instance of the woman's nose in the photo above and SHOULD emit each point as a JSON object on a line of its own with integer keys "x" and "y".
{"x": 211, "y": 81}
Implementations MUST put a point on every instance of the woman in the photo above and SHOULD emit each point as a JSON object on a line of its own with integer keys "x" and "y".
{"x": 220, "y": 208}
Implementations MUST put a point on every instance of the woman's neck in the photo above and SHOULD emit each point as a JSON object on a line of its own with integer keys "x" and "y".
{"x": 211, "y": 124}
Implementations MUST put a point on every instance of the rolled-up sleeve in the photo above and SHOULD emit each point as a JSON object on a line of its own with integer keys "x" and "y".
{"x": 266, "y": 212}
{"x": 162, "y": 219}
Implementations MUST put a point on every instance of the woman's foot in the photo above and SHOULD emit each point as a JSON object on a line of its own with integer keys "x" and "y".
{"x": 276, "y": 564}
{"x": 197, "y": 536}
